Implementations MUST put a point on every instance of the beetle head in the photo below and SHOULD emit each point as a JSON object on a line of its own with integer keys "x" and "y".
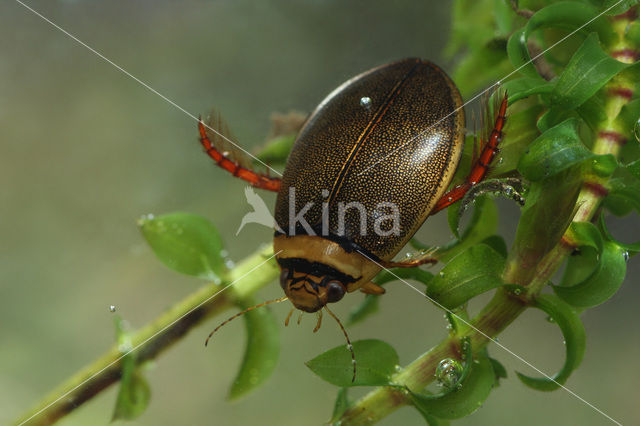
{"x": 309, "y": 292}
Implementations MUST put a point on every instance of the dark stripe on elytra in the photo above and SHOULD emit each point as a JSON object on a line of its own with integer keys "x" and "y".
{"x": 364, "y": 136}
{"x": 314, "y": 268}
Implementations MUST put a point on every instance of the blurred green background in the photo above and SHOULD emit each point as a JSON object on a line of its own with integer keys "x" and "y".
{"x": 85, "y": 151}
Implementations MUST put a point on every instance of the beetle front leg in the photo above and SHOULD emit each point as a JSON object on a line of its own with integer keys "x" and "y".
{"x": 480, "y": 168}
{"x": 411, "y": 263}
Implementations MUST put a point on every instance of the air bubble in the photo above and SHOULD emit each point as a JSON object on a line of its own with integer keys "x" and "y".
{"x": 448, "y": 372}
{"x": 625, "y": 256}
{"x": 112, "y": 308}
{"x": 365, "y": 101}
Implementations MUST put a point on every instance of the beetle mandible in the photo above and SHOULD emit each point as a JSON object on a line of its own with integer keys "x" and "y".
{"x": 391, "y": 136}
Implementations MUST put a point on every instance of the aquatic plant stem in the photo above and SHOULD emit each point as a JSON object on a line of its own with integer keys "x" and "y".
{"x": 505, "y": 306}
{"x": 153, "y": 339}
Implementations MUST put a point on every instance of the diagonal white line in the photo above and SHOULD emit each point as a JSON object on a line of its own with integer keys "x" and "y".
{"x": 494, "y": 341}
{"x": 150, "y": 338}
{"x": 496, "y": 84}
{"x": 143, "y": 84}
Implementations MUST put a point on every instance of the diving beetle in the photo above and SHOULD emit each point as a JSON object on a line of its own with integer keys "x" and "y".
{"x": 391, "y": 136}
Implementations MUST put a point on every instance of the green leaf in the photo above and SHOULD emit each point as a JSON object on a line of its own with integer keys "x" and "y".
{"x": 546, "y": 215}
{"x": 633, "y": 32}
{"x": 628, "y": 117}
{"x": 472, "y": 272}
{"x": 463, "y": 400}
{"x": 483, "y": 223}
{"x": 631, "y": 248}
{"x": 616, "y": 7}
{"x": 498, "y": 369}
{"x": 585, "y": 234}
{"x": 574, "y": 336}
{"x": 580, "y": 265}
{"x": 521, "y": 88}
{"x": 497, "y": 243}
{"x": 518, "y": 54}
{"x": 277, "y": 150}
{"x": 568, "y": 15}
{"x": 134, "y": 393}
{"x": 555, "y": 150}
{"x": 589, "y": 69}
{"x": 341, "y": 405}
{"x": 603, "y": 283}
{"x": 261, "y": 353}
{"x": 186, "y": 243}
{"x": 520, "y": 130}
{"x": 482, "y": 67}
{"x": 376, "y": 362}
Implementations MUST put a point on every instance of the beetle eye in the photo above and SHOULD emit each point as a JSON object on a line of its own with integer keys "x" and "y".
{"x": 335, "y": 291}
{"x": 284, "y": 277}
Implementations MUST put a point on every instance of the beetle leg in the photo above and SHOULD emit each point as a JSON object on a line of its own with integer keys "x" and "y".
{"x": 481, "y": 165}
{"x": 412, "y": 263}
{"x": 372, "y": 288}
{"x": 233, "y": 165}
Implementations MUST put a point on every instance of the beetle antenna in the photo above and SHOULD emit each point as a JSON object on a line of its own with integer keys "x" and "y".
{"x": 319, "y": 323}
{"x": 286, "y": 321}
{"x": 268, "y": 302}
{"x": 349, "y": 345}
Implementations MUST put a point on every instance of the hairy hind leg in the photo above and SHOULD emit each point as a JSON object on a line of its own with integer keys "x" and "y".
{"x": 258, "y": 180}
{"x": 481, "y": 165}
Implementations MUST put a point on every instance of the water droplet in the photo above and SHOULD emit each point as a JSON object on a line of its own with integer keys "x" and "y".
{"x": 350, "y": 347}
{"x": 365, "y": 101}
{"x": 500, "y": 160}
{"x": 225, "y": 153}
{"x": 112, "y": 308}
{"x": 550, "y": 319}
{"x": 625, "y": 256}
{"x": 450, "y": 199}
{"x": 448, "y": 372}
{"x": 508, "y": 191}
{"x": 517, "y": 291}
{"x": 636, "y": 130}
{"x": 441, "y": 274}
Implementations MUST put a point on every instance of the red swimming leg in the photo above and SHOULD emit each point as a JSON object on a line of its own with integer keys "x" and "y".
{"x": 258, "y": 180}
{"x": 481, "y": 166}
